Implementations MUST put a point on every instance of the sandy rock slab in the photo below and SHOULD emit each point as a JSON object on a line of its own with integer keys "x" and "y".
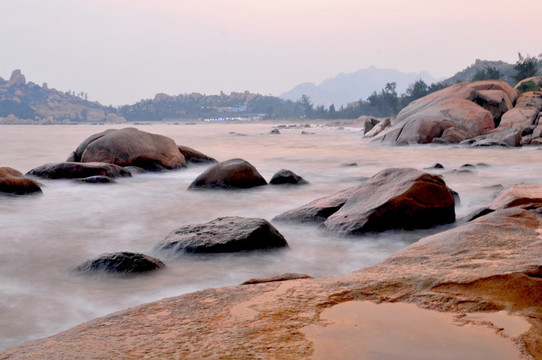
{"x": 486, "y": 273}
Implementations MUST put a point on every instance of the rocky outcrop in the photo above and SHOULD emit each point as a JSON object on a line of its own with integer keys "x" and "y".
{"x": 16, "y": 78}
{"x": 130, "y": 147}
{"x": 317, "y": 211}
{"x": 382, "y": 125}
{"x": 14, "y": 182}
{"x": 75, "y": 170}
{"x": 121, "y": 263}
{"x": 284, "y": 176}
{"x": 224, "y": 235}
{"x": 194, "y": 156}
{"x": 452, "y": 115}
{"x": 395, "y": 199}
{"x": 488, "y": 265}
{"x": 230, "y": 174}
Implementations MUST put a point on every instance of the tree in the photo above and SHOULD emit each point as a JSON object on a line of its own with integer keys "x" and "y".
{"x": 525, "y": 67}
{"x": 488, "y": 73}
{"x": 307, "y": 106}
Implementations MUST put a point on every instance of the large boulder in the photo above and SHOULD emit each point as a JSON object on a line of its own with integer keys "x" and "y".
{"x": 130, "y": 147}
{"x": 502, "y": 136}
{"x": 224, "y": 235}
{"x": 75, "y": 170}
{"x": 400, "y": 198}
{"x": 194, "y": 156}
{"x": 519, "y": 118}
{"x": 121, "y": 263}
{"x": 14, "y": 182}
{"x": 318, "y": 210}
{"x": 230, "y": 174}
{"x": 430, "y": 122}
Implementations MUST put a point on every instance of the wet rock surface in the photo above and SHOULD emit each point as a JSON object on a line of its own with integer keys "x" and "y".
{"x": 224, "y": 235}
{"x": 14, "y": 182}
{"x": 194, "y": 156}
{"x": 287, "y": 177}
{"x": 490, "y": 264}
{"x": 120, "y": 263}
{"x": 230, "y": 174}
{"x": 76, "y": 170}
{"x": 130, "y": 147}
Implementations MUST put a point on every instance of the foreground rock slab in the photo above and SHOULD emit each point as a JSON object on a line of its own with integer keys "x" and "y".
{"x": 14, "y": 182}
{"x": 488, "y": 265}
{"x": 224, "y": 235}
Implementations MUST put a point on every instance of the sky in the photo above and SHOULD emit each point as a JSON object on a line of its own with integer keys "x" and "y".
{"x": 122, "y": 51}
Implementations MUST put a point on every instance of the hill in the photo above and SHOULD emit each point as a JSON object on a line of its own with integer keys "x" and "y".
{"x": 346, "y": 88}
{"x": 24, "y": 102}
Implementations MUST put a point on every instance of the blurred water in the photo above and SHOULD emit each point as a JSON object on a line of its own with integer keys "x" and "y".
{"x": 43, "y": 237}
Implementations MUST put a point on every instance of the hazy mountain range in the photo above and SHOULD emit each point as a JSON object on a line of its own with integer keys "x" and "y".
{"x": 345, "y": 88}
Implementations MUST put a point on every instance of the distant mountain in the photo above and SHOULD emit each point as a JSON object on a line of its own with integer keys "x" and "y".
{"x": 345, "y": 88}
{"x": 24, "y": 102}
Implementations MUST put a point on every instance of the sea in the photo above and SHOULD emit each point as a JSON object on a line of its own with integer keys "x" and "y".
{"x": 44, "y": 237}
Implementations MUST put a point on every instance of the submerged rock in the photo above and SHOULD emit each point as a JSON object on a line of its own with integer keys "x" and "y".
{"x": 99, "y": 179}
{"x": 224, "y": 235}
{"x": 230, "y": 174}
{"x": 130, "y": 147}
{"x": 14, "y": 182}
{"x": 194, "y": 156}
{"x": 318, "y": 210}
{"x": 287, "y": 177}
{"x": 399, "y": 198}
{"x": 76, "y": 170}
{"x": 121, "y": 263}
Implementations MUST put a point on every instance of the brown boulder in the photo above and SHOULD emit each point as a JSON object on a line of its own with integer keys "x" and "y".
{"x": 130, "y": 147}
{"x": 75, "y": 170}
{"x": 529, "y": 195}
{"x": 230, "y": 174}
{"x": 497, "y": 102}
{"x": 530, "y": 99}
{"x": 14, "y": 182}
{"x": 194, "y": 156}
{"x": 317, "y": 210}
{"x": 224, "y": 235}
{"x": 519, "y": 117}
{"x": 501, "y": 85}
{"x": 400, "y": 198}
{"x": 431, "y": 121}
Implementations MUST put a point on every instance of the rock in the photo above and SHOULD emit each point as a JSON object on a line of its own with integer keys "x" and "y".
{"x": 283, "y": 277}
{"x": 275, "y": 132}
{"x": 519, "y": 118}
{"x": 230, "y": 174}
{"x": 75, "y": 170}
{"x": 497, "y": 102}
{"x": 400, "y": 198}
{"x": 16, "y": 78}
{"x": 524, "y": 195}
{"x": 468, "y": 119}
{"x": 507, "y": 137}
{"x": 224, "y": 235}
{"x": 378, "y": 128}
{"x": 121, "y": 263}
{"x": 369, "y": 122}
{"x": 436, "y": 166}
{"x": 477, "y": 213}
{"x": 130, "y": 147}
{"x": 14, "y": 182}
{"x": 194, "y": 156}
{"x": 99, "y": 179}
{"x": 500, "y": 85}
{"x": 306, "y": 133}
{"x": 287, "y": 177}
{"x": 352, "y": 164}
{"x": 530, "y": 99}
{"x": 318, "y": 210}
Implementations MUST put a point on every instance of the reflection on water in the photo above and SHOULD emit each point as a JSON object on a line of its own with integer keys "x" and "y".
{"x": 44, "y": 237}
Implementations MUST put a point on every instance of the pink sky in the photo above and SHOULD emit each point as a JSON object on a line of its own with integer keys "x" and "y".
{"x": 120, "y": 51}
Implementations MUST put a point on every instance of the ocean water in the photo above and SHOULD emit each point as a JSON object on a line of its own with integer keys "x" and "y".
{"x": 42, "y": 238}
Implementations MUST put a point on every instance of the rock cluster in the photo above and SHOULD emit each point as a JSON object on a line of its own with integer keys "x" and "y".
{"x": 484, "y": 113}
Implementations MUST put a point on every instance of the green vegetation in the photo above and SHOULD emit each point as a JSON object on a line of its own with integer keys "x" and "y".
{"x": 488, "y": 73}
{"x": 525, "y": 67}
{"x": 529, "y": 86}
